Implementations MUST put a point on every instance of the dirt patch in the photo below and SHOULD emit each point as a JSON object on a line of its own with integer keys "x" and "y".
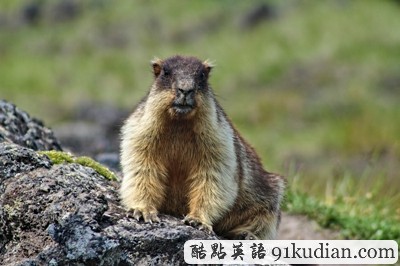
{"x": 299, "y": 227}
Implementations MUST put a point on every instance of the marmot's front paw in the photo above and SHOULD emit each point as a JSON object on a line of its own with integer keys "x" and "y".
{"x": 149, "y": 215}
{"x": 246, "y": 235}
{"x": 197, "y": 223}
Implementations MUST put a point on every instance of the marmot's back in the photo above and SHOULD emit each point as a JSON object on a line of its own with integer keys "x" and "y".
{"x": 181, "y": 155}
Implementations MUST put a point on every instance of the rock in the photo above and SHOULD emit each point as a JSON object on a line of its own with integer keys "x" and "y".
{"x": 93, "y": 130}
{"x": 65, "y": 10}
{"x": 111, "y": 160}
{"x": 28, "y": 160}
{"x": 84, "y": 138}
{"x": 68, "y": 214}
{"x": 259, "y": 13}
{"x": 18, "y": 127}
{"x": 31, "y": 12}
{"x": 108, "y": 116}
{"x": 52, "y": 11}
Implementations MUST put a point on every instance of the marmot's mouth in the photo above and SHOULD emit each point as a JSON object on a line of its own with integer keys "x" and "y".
{"x": 182, "y": 108}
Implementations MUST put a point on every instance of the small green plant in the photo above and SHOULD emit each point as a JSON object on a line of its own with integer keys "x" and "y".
{"x": 58, "y": 157}
{"x": 102, "y": 170}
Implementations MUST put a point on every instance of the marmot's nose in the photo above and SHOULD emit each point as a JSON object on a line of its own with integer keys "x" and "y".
{"x": 185, "y": 96}
{"x": 185, "y": 93}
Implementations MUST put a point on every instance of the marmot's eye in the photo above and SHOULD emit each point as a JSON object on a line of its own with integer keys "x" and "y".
{"x": 166, "y": 72}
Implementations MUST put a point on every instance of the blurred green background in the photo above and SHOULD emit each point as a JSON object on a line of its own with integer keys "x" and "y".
{"x": 314, "y": 86}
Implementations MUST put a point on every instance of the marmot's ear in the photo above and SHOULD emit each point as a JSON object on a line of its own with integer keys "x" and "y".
{"x": 208, "y": 65}
{"x": 156, "y": 63}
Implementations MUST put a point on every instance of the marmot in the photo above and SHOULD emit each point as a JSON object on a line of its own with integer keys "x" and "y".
{"x": 181, "y": 155}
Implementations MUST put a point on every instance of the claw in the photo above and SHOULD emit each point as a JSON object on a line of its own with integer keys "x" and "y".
{"x": 248, "y": 236}
{"x": 137, "y": 214}
{"x": 149, "y": 216}
{"x": 197, "y": 223}
{"x": 242, "y": 235}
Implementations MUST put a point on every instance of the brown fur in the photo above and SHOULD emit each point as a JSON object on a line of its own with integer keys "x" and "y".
{"x": 181, "y": 155}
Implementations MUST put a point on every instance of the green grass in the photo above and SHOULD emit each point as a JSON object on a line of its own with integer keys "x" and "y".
{"x": 316, "y": 91}
{"x": 349, "y": 224}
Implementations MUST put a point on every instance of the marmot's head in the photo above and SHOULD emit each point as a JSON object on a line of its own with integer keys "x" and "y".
{"x": 183, "y": 83}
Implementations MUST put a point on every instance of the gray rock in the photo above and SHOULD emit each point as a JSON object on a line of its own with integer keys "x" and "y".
{"x": 92, "y": 130}
{"x": 258, "y": 14}
{"x": 18, "y": 127}
{"x": 111, "y": 160}
{"x": 15, "y": 159}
